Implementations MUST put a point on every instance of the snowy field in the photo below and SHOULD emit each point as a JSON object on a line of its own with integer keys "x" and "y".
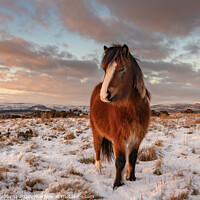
{"x": 54, "y": 159}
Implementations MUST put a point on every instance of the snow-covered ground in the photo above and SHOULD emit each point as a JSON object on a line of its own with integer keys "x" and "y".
{"x": 53, "y": 159}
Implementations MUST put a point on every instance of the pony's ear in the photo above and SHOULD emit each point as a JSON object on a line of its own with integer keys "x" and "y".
{"x": 105, "y": 48}
{"x": 125, "y": 50}
{"x": 140, "y": 83}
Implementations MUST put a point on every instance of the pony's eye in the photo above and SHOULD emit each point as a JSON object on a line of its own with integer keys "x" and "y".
{"x": 121, "y": 69}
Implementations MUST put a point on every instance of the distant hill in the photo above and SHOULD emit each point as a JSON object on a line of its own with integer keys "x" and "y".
{"x": 39, "y": 108}
{"x": 177, "y": 107}
{"x": 30, "y": 107}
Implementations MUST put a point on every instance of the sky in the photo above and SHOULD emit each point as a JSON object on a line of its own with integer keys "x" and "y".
{"x": 51, "y": 50}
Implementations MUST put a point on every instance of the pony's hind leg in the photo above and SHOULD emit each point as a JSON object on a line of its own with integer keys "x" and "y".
{"x": 97, "y": 147}
{"x": 120, "y": 161}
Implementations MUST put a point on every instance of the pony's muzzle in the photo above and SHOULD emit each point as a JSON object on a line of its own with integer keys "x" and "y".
{"x": 106, "y": 98}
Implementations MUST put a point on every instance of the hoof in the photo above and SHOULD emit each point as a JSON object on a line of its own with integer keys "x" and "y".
{"x": 98, "y": 166}
{"x": 131, "y": 178}
{"x": 116, "y": 185}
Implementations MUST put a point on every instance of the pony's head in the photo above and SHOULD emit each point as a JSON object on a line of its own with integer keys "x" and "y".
{"x": 122, "y": 75}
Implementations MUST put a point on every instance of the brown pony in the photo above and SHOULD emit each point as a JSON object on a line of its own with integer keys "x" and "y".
{"x": 119, "y": 111}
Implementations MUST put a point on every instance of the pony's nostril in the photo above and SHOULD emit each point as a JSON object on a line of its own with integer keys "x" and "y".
{"x": 108, "y": 95}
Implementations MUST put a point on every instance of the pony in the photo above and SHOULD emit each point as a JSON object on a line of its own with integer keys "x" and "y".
{"x": 119, "y": 111}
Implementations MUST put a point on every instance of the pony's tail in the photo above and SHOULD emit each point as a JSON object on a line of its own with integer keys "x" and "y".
{"x": 107, "y": 149}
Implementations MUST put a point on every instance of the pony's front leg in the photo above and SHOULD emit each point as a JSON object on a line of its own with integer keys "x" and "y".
{"x": 133, "y": 147}
{"x": 131, "y": 164}
{"x": 120, "y": 161}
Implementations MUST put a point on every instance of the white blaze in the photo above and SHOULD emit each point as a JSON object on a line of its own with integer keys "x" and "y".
{"x": 108, "y": 77}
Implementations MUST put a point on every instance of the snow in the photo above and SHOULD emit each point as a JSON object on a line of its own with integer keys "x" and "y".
{"x": 56, "y": 160}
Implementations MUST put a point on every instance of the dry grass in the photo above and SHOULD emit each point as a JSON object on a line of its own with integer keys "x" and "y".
{"x": 181, "y": 196}
{"x": 72, "y": 171}
{"x": 193, "y": 150}
{"x": 32, "y": 161}
{"x": 189, "y": 132}
{"x": 159, "y": 143}
{"x": 197, "y": 121}
{"x": 60, "y": 127}
{"x": 195, "y": 191}
{"x": 69, "y": 136}
{"x": 79, "y": 131}
{"x": 26, "y": 135}
{"x": 147, "y": 154}
{"x": 34, "y": 184}
{"x": 86, "y": 194}
{"x": 78, "y": 188}
{"x": 87, "y": 160}
{"x": 158, "y": 167}
{"x": 75, "y": 152}
{"x": 32, "y": 146}
{"x": 86, "y": 146}
{"x": 72, "y": 187}
{"x": 179, "y": 173}
{"x": 44, "y": 117}
{"x": 3, "y": 169}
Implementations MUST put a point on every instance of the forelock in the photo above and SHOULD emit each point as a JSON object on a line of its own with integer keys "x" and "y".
{"x": 114, "y": 53}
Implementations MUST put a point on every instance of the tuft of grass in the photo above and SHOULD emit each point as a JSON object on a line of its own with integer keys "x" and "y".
{"x": 157, "y": 167}
{"x": 34, "y": 184}
{"x": 60, "y": 128}
{"x": 79, "y": 132}
{"x": 147, "y": 154}
{"x": 72, "y": 171}
{"x": 3, "y": 169}
{"x": 73, "y": 187}
{"x": 86, "y": 146}
{"x": 193, "y": 150}
{"x": 195, "y": 191}
{"x": 159, "y": 143}
{"x": 189, "y": 132}
{"x": 26, "y": 135}
{"x": 32, "y": 161}
{"x": 179, "y": 173}
{"x": 87, "y": 160}
{"x": 86, "y": 194}
{"x": 69, "y": 136}
{"x": 197, "y": 121}
{"x": 181, "y": 196}
{"x": 73, "y": 152}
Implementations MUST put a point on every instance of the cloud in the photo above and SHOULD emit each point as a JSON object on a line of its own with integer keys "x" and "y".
{"x": 44, "y": 88}
{"x": 3, "y": 74}
{"x": 173, "y": 93}
{"x": 80, "y": 17}
{"x": 177, "y": 18}
{"x": 171, "y": 82}
{"x": 17, "y": 52}
{"x": 192, "y": 48}
{"x": 32, "y": 14}
{"x": 4, "y": 18}
{"x": 183, "y": 73}
{"x": 53, "y": 50}
{"x": 46, "y": 71}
